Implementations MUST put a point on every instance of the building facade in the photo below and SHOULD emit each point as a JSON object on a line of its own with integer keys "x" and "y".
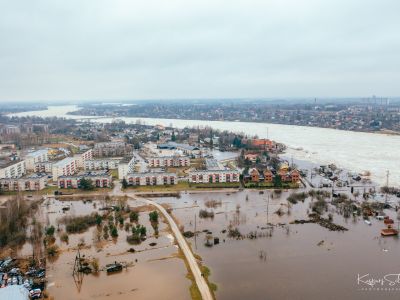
{"x": 32, "y": 158}
{"x": 99, "y": 179}
{"x": 101, "y": 164}
{"x": 109, "y": 149}
{"x": 64, "y": 167}
{"x": 29, "y": 183}
{"x": 151, "y": 178}
{"x": 214, "y": 176}
{"x": 82, "y": 157}
{"x": 14, "y": 169}
{"x": 169, "y": 161}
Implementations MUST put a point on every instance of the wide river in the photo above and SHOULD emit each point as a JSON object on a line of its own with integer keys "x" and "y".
{"x": 356, "y": 151}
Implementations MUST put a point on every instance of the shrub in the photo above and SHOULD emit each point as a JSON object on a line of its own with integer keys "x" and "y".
{"x": 134, "y": 216}
{"x": 206, "y": 214}
{"x": 79, "y": 224}
{"x": 153, "y": 216}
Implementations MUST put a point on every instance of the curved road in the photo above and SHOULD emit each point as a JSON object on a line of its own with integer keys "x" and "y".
{"x": 194, "y": 267}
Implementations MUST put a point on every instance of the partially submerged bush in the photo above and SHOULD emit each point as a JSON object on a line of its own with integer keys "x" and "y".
{"x": 79, "y": 224}
{"x": 206, "y": 214}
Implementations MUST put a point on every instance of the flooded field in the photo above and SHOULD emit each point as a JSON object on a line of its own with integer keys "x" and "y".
{"x": 285, "y": 261}
{"x": 149, "y": 265}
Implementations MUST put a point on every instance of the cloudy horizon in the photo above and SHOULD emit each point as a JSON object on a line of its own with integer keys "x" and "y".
{"x": 126, "y": 50}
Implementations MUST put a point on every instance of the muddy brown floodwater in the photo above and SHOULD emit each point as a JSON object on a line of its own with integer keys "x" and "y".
{"x": 291, "y": 261}
{"x": 154, "y": 272}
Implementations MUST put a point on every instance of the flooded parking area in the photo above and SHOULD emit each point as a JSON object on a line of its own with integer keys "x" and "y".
{"x": 273, "y": 259}
{"x": 153, "y": 262}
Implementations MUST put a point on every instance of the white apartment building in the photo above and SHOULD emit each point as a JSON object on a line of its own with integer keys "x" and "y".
{"x": 169, "y": 161}
{"x": 35, "y": 157}
{"x": 29, "y": 183}
{"x": 82, "y": 157}
{"x": 126, "y": 166}
{"x": 214, "y": 176}
{"x": 44, "y": 167}
{"x": 152, "y": 178}
{"x": 14, "y": 169}
{"x": 64, "y": 167}
{"x": 101, "y": 164}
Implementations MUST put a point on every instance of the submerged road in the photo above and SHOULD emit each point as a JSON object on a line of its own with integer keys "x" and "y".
{"x": 194, "y": 267}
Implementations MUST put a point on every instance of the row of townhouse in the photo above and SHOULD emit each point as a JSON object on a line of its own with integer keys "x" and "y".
{"x": 214, "y": 176}
{"x": 34, "y": 182}
{"x": 99, "y": 179}
{"x": 32, "y": 158}
{"x": 169, "y": 161}
{"x": 14, "y": 169}
{"x": 152, "y": 178}
{"x": 101, "y": 164}
{"x": 266, "y": 175}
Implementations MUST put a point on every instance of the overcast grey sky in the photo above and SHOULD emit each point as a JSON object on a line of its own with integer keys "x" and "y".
{"x": 125, "y": 49}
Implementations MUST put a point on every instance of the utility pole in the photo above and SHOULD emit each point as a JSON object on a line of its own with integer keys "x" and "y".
{"x": 267, "y": 207}
{"x": 195, "y": 234}
{"x": 387, "y": 186}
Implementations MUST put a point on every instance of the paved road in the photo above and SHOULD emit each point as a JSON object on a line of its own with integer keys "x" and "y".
{"x": 194, "y": 267}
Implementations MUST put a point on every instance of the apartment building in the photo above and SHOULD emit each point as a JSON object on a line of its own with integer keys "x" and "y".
{"x": 100, "y": 179}
{"x": 32, "y": 158}
{"x": 126, "y": 166}
{"x": 32, "y": 182}
{"x": 169, "y": 161}
{"x": 101, "y": 164}
{"x": 82, "y": 157}
{"x": 152, "y": 178}
{"x": 214, "y": 176}
{"x": 110, "y": 149}
{"x": 44, "y": 167}
{"x": 64, "y": 167}
{"x": 13, "y": 169}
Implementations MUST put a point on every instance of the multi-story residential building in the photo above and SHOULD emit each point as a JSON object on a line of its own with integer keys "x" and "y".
{"x": 214, "y": 176}
{"x": 101, "y": 164}
{"x": 83, "y": 156}
{"x": 64, "y": 167}
{"x": 14, "y": 169}
{"x": 35, "y": 157}
{"x": 44, "y": 167}
{"x": 32, "y": 182}
{"x": 109, "y": 149}
{"x": 169, "y": 161}
{"x": 101, "y": 179}
{"x": 152, "y": 178}
{"x": 126, "y": 166}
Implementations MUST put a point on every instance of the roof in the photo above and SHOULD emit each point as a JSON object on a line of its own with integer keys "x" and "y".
{"x": 212, "y": 164}
{"x": 151, "y": 174}
{"x": 37, "y": 153}
{"x": 15, "y": 292}
{"x": 65, "y": 161}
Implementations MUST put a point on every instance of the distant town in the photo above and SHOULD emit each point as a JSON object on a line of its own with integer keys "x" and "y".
{"x": 369, "y": 114}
